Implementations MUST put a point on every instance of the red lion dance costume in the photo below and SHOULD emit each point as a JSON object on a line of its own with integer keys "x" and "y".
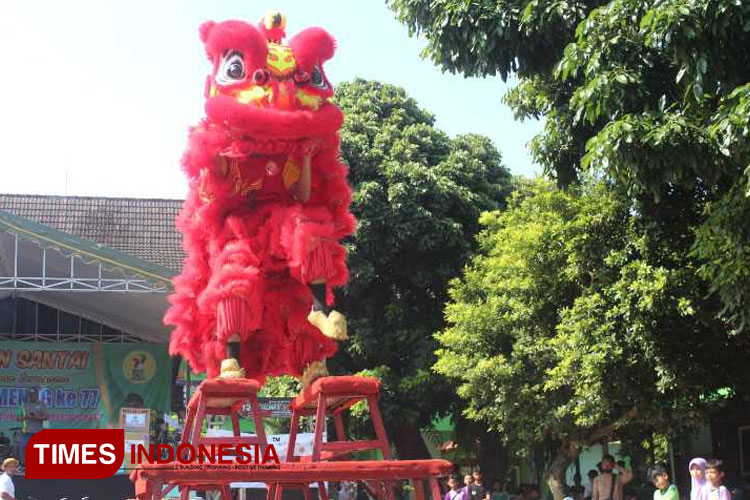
{"x": 267, "y": 207}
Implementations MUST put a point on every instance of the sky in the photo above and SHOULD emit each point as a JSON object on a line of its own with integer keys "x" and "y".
{"x": 96, "y": 96}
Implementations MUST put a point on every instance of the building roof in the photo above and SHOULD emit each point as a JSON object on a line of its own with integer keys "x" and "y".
{"x": 144, "y": 228}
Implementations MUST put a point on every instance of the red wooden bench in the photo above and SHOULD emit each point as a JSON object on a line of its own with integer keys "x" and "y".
{"x": 332, "y": 396}
{"x": 219, "y": 396}
{"x": 223, "y": 397}
{"x": 152, "y": 480}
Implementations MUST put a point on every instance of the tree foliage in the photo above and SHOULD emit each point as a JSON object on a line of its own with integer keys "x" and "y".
{"x": 417, "y": 195}
{"x": 652, "y": 94}
{"x": 579, "y": 318}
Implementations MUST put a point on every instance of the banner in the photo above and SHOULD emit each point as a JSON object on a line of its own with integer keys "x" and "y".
{"x": 84, "y": 385}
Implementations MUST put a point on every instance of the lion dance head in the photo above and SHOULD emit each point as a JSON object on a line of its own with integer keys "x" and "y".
{"x": 266, "y": 89}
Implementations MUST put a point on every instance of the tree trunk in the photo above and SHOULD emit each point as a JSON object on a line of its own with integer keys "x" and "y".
{"x": 556, "y": 472}
{"x": 409, "y": 442}
{"x": 492, "y": 458}
{"x": 569, "y": 450}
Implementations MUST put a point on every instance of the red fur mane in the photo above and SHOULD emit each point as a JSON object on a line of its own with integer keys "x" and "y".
{"x": 251, "y": 249}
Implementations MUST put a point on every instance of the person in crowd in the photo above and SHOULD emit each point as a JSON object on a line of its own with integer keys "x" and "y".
{"x": 477, "y": 490}
{"x": 714, "y": 488}
{"x": 347, "y": 490}
{"x": 607, "y": 485}
{"x": 577, "y": 490}
{"x": 7, "y": 488}
{"x": 697, "y": 468}
{"x": 454, "y": 492}
{"x": 33, "y": 415}
{"x": 665, "y": 490}
{"x": 468, "y": 481}
{"x": 499, "y": 492}
{"x": 588, "y": 488}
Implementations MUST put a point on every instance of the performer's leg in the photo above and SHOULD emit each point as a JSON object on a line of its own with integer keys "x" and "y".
{"x": 235, "y": 293}
{"x": 231, "y": 365}
{"x": 331, "y": 323}
{"x": 315, "y": 258}
{"x": 233, "y": 348}
{"x": 318, "y": 289}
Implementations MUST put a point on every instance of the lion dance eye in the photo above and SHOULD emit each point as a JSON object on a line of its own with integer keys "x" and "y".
{"x": 260, "y": 76}
{"x": 236, "y": 70}
{"x": 231, "y": 70}
{"x": 317, "y": 79}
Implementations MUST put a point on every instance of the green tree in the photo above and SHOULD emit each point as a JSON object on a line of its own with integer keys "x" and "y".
{"x": 417, "y": 195}
{"x": 579, "y": 319}
{"x": 654, "y": 94}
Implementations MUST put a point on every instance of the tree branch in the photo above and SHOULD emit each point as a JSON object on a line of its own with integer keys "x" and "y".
{"x": 605, "y": 431}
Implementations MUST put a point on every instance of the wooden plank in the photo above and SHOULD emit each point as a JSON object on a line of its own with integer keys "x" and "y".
{"x": 342, "y": 446}
{"x": 300, "y": 472}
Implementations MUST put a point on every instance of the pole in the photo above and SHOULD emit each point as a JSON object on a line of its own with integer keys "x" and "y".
{"x": 671, "y": 463}
{"x": 188, "y": 383}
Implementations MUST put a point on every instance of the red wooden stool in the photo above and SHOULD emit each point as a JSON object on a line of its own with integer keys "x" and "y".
{"x": 223, "y": 396}
{"x": 333, "y": 396}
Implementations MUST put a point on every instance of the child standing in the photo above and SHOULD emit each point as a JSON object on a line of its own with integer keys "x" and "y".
{"x": 714, "y": 489}
{"x": 665, "y": 490}
{"x": 697, "y": 468}
{"x": 7, "y": 488}
{"x": 454, "y": 493}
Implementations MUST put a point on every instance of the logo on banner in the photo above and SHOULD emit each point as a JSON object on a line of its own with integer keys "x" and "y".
{"x": 99, "y": 453}
{"x": 139, "y": 367}
{"x": 73, "y": 454}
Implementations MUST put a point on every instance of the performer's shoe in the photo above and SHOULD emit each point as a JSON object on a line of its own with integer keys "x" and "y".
{"x": 230, "y": 368}
{"x": 313, "y": 371}
{"x": 332, "y": 325}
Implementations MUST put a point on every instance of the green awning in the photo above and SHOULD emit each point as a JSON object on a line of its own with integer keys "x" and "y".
{"x": 48, "y": 237}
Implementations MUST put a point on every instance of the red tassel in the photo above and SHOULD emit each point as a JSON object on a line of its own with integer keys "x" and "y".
{"x": 232, "y": 317}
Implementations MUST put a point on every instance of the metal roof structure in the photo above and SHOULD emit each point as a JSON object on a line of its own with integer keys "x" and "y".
{"x": 119, "y": 276}
{"x": 139, "y": 227}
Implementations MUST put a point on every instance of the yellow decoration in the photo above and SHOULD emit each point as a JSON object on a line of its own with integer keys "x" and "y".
{"x": 308, "y": 100}
{"x": 332, "y": 325}
{"x": 274, "y": 19}
{"x": 291, "y": 172}
{"x": 253, "y": 94}
{"x": 280, "y": 60}
{"x": 230, "y": 368}
{"x": 241, "y": 186}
